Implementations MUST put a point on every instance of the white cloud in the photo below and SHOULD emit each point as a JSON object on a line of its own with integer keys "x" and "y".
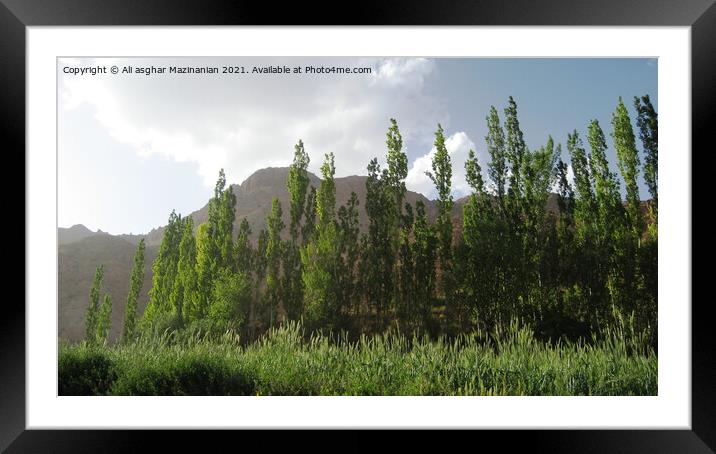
{"x": 408, "y": 72}
{"x": 244, "y": 123}
{"x": 458, "y": 146}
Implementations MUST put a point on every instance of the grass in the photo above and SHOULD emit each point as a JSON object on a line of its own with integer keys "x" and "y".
{"x": 284, "y": 362}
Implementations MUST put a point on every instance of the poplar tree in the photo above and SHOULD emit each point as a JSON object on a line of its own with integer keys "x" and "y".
{"x": 326, "y": 196}
{"x": 476, "y": 204}
{"x": 565, "y": 193}
{"x": 441, "y": 177}
{"x": 501, "y": 252}
{"x": 247, "y": 267}
{"x": 309, "y": 225}
{"x": 222, "y": 212}
{"x": 406, "y": 298}
{"x": 633, "y": 284}
{"x": 648, "y": 123}
{"x": 92, "y": 315}
{"x": 135, "y": 286}
{"x": 566, "y": 255}
{"x": 259, "y": 265}
{"x": 606, "y": 186}
{"x": 185, "y": 291}
{"x": 230, "y": 300}
{"x": 243, "y": 251}
{"x": 206, "y": 266}
{"x": 538, "y": 178}
{"x": 585, "y": 203}
{"x": 320, "y": 257}
{"x": 349, "y": 255}
{"x": 425, "y": 255}
{"x": 514, "y": 252}
{"x": 610, "y": 224}
{"x": 274, "y": 252}
{"x": 397, "y": 171}
{"x": 515, "y": 150}
{"x": 399, "y": 225}
{"x": 297, "y": 185}
{"x": 585, "y": 221}
{"x": 104, "y": 320}
{"x": 164, "y": 270}
{"x": 474, "y": 213}
{"x": 377, "y": 266}
{"x": 497, "y": 168}
{"x": 628, "y": 161}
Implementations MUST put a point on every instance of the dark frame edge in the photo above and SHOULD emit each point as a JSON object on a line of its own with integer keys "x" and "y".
{"x": 12, "y": 129}
{"x": 703, "y": 111}
{"x": 702, "y": 438}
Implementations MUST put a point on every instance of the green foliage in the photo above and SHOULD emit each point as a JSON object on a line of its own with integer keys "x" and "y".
{"x": 321, "y": 256}
{"x": 397, "y": 170}
{"x": 85, "y": 370}
{"x": 320, "y": 262}
{"x": 424, "y": 252}
{"x": 441, "y": 177}
{"x": 184, "y": 297}
{"x": 348, "y": 291}
{"x": 585, "y": 203}
{"x": 326, "y": 196}
{"x": 628, "y": 161}
{"x": 164, "y": 270}
{"x": 508, "y": 361}
{"x": 377, "y": 266}
{"x": 243, "y": 251}
{"x": 104, "y": 321}
{"x": 496, "y": 148}
{"x": 135, "y": 286}
{"x": 515, "y": 149}
{"x": 230, "y": 302}
{"x": 222, "y": 212}
{"x": 297, "y": 186}
{"x": 648, "y": 123}
{"x": 569, "y": 273}
{"x": 92, "y": 315}
{"x": 606, "y": 186}
{"x": 206, "y": 259}
{"x": 274, "y": 251}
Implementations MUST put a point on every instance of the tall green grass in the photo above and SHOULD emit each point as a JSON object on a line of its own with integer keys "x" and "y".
{"x": 286, "y": 362}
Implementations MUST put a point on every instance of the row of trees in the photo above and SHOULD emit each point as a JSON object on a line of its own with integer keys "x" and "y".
{"x": 570, "y": 273}
{"x": 97, "y": 318}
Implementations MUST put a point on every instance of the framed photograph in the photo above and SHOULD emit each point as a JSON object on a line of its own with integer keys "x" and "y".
{"x": 420, "y": 217}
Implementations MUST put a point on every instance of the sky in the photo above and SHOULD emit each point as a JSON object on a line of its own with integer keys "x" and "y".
{"x": 132, "y": 147}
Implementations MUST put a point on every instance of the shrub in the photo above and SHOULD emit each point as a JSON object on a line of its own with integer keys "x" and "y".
{"x": 85, "y": 371}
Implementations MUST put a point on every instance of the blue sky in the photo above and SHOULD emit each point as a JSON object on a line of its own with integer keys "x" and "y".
{"x": 132, "y": 148}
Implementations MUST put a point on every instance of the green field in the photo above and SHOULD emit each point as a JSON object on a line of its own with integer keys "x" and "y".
{"x": 285, "y": 362}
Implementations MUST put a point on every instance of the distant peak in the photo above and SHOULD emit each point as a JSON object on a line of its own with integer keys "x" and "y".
{"x": 79, "y": 227}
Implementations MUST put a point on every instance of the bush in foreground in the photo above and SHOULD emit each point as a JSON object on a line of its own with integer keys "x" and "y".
{"x": 284, "y": 362}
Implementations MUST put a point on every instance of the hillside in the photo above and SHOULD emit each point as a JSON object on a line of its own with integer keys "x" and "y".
{"x": 77, "y": 262}
{"x": 254, "y": 196}
{"x": 74, "y": 233}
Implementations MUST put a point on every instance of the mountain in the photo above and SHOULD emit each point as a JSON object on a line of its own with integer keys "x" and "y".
{"x": 72, "y": 234}
{"x": 255, "y": 194}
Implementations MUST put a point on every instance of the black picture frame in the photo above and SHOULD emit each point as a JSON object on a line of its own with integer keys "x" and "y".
{"x": 700, "y": 15}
